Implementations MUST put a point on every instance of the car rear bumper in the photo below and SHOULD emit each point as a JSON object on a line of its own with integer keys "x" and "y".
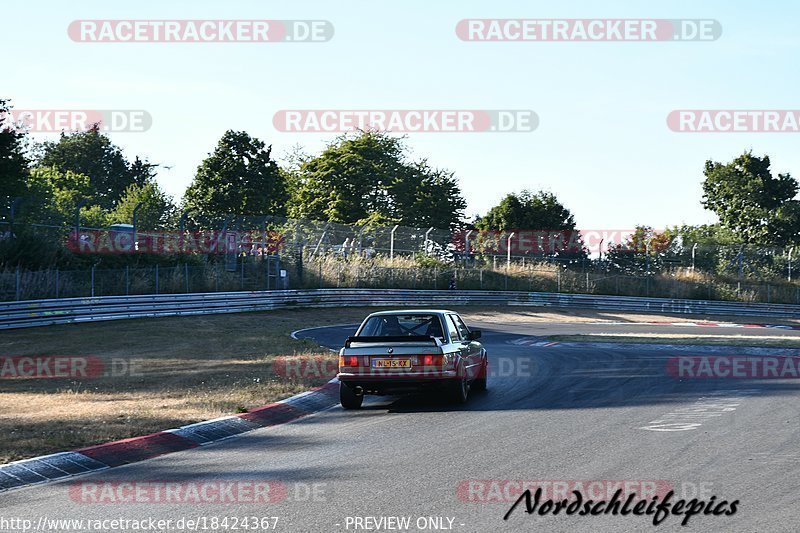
{"x": 386, "y": 384}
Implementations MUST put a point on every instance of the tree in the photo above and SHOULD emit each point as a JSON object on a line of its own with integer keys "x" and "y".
{"x": 157, "y": 207}
{"x": 238, "y": 178}
{"x": 526, "y": 210}
{"x": 368, "y": 176}
{"x": 54, "y": 195}
{"x": 13, "y": 162}
{"x": 92, "y": 154}
{"x": 643, "y": 252}
{"x": 427, "y": 197}
{"x": 748, "y": 200}
{"x": 548, "y": 228}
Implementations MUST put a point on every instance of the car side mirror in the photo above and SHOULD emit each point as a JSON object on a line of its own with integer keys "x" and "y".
{"x": 475, "y": 334}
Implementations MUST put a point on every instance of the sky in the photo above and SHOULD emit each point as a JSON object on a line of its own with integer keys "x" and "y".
{"x": 602, "y": 144}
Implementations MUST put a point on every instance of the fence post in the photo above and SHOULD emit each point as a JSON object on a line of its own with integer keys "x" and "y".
{"x": 481, "y": 279}
{"x": 17, "y": 291}
{"x": 320, "y": 272}
{"x": 156, "y": 279}
{"x": 769, "y": 293}
{"x": 186, "y": 276}
{"x": 508, "y": 254}
{"x": 216, "y": 278}
{"x": 127, "y": 279}
{"x": 57, "y": 282}
{"x": 92, "y": 281}
{"x": 587, "y": 283}
{"x": 558, "y": 279}
{"x": 242, "y": 274}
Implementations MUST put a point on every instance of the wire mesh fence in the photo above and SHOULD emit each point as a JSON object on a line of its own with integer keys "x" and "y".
{"x": 204, "y": 254}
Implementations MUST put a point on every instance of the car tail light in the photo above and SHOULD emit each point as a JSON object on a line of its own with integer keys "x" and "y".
{"x": 431, "y": 360}
{"x": 350, "y": 360}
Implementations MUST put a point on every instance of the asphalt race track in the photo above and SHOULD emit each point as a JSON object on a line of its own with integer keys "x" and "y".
{"x": 561, "y": 414}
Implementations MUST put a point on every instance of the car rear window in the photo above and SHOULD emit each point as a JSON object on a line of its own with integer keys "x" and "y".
{"x": 402, "y": 325}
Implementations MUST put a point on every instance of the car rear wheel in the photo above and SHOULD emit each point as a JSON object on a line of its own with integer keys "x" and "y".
{"x": 348, "y": 397}
{"x": 480, "y": 382}
{"x": 459, "y": 389}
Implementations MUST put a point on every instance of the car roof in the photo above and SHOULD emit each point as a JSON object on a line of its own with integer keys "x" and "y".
{"x": 413, "y": 312}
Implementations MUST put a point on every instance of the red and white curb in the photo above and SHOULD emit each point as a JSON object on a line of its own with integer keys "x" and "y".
{"x": 533, "y": 341}
{"x": 102, "y": 456}
{"x": 697, "y": 324}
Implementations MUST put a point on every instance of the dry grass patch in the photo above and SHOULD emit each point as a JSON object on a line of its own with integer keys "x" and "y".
{"x": 174, "y": 371}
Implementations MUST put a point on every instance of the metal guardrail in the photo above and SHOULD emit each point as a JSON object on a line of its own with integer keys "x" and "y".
{"x": 32, "y": 313}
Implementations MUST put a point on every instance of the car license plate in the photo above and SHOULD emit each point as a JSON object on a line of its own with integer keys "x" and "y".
{"x": 391, "y": 363}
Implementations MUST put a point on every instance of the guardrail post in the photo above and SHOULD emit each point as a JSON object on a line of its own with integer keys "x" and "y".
{"x": 558, "y": 279}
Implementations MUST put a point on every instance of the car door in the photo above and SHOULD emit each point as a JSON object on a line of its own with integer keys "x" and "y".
{"x": 471, "y": 350}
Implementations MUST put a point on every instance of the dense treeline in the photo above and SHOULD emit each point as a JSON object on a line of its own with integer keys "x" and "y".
{"x": 367, "y": 178}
